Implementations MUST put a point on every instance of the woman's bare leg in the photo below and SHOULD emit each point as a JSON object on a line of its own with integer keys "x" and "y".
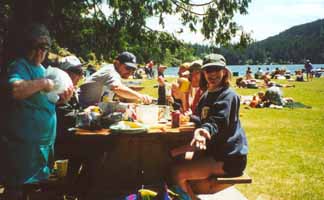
{"x": 196, "y": 170}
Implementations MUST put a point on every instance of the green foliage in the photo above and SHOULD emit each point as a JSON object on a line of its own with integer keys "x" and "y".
{"x": 83, "y": 27}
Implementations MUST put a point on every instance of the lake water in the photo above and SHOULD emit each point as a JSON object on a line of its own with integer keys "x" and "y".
{"x": 172, "y": 71}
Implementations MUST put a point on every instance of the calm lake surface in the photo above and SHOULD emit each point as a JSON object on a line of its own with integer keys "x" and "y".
{"x": 172, "y": 71}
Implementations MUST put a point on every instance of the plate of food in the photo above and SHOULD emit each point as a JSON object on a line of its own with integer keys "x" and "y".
{"x": 128, "y": 127}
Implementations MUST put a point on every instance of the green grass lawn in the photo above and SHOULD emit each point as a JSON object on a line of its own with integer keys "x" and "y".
{"x": 286, "y": 158}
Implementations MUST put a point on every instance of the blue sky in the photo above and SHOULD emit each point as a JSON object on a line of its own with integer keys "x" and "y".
{"x": 265, "y": 18}
{"x": 270, "y": 17}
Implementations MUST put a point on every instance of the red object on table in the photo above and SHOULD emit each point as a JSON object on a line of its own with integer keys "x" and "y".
{"x": 175, "y": 119}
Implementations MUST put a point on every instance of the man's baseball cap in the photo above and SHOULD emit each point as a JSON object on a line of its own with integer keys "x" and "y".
{"x": 216, "y": 61}
{"x": 71, "y": 63}
{"x": 128, "y": 59}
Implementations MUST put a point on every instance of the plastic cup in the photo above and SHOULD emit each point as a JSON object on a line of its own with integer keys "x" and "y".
{"x": 61, "y": 167}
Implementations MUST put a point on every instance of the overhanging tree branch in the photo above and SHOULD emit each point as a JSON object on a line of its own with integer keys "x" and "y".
{"x": 197, "y": 5}
{"x": 188, "y": 10}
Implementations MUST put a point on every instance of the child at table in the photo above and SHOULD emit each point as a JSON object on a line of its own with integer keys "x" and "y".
{"x": 220, "y": 134}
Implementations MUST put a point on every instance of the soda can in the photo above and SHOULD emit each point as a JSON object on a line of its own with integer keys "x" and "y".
{"x": 175, "y": 119}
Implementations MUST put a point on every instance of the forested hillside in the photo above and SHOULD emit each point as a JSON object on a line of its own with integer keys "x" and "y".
{"x": 294, "y": 45}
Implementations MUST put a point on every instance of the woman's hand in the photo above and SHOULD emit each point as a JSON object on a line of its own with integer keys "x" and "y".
{"x": 188, "y": 112}
{"x": 199, "y": 139}
{"x": 170, "y": 99}
{"x": 48, "y": 85}
{"x": 66, "y": 95}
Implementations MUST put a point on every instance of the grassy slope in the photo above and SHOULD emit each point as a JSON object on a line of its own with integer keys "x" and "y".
{"x": 286, "y": 159}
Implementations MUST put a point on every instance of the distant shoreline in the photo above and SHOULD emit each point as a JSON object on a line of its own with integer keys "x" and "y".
{"x": 172, "y": 71}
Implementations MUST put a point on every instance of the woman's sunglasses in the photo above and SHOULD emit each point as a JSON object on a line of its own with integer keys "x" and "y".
{"x": 212, "y": 69}
{"x": 43, "y": 47}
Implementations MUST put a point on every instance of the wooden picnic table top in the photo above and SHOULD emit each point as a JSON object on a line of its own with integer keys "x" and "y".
{"x": 155, "y": 129}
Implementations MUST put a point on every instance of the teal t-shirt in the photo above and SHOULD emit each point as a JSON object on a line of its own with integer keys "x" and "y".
{"x": 32, "y": 130}
{"x": 32, "y": 119}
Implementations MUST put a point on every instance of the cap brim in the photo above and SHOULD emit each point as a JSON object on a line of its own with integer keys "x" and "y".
{"x": 214, "y": 65}
{"x": 132, "y": 65}
{"x": 195, "y": 69}
{"x": 76, "y": 69}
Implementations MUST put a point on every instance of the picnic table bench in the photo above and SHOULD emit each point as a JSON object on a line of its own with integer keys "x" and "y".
{"x": 215, "y": 184}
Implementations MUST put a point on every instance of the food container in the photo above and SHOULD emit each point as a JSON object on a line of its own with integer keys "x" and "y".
{"x": 88, "y": 120}
{"x": 110, "y": 107}
{"x": 83, "y": 119}
{"x": 147, "y": 114}
{"x": 164, "y": 113}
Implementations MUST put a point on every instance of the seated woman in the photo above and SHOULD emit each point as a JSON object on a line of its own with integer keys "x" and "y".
{"x": 178, "y": 98}
{"x": 248, "y": 74}
{"x": 195, "y": 91}
{"x": 240, "y": 82}
{"x": 299, "y": 75}
{"x": 220, "y": 133}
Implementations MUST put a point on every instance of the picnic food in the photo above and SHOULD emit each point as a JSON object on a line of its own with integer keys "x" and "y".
{"x": 132, "y": 124}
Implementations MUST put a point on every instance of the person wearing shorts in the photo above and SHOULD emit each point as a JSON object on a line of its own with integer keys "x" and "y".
{"x": 220, "y": 134}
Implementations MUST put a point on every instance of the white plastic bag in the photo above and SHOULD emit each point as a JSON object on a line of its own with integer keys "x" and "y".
{"x": 62, "y": 81}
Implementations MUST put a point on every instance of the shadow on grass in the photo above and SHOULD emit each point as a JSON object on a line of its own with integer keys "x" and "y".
{"x": 293, "y": 105}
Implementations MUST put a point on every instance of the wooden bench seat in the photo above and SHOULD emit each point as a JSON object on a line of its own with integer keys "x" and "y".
{"x": 216, "y": 184}
{"x": 233, "y": 180}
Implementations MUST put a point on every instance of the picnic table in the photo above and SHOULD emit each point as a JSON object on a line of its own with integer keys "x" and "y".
{"x": 129, "y": 161}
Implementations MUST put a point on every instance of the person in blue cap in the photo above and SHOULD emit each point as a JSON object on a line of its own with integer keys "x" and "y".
{"x": 220, "y": 132}
{"x": 107, "y": 81}
{"x": 31, "y": 131}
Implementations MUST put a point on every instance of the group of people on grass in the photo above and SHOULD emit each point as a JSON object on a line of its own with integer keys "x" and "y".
{"x": 271, "y": 97}
{"x": 201, "y": 92}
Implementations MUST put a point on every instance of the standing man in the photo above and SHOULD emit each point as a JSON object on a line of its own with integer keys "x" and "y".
{"x": 150, "y": 66}
{"x": 308, "y": 68}
{"x": 107, "y": 81}
{"x": 162, "y": 86}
